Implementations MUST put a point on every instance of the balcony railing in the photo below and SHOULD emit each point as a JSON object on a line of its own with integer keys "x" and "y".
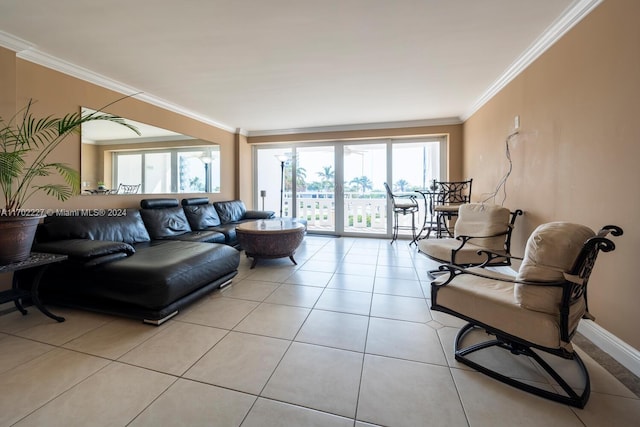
{"x": 363, "y": 213}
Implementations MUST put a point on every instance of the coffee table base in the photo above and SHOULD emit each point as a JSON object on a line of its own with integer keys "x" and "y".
{"x": 270, "y": 238}
{"x": 257, "y": 257}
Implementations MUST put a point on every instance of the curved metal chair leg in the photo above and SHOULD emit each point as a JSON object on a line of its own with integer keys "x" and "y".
{"x": 395, "y": 227}
{"x": 570, "y": 397}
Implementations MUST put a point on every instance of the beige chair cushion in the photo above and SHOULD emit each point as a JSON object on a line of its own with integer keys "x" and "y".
{"x": 474, "y": 219}
{"x": 491, "y": 302}
{"x": 479, "y": 219}
{"x": 441, "y": 250}
{"x": 405, "y": 204}
{"x": 453, "y": 208}
{"x": 550, "y": 252}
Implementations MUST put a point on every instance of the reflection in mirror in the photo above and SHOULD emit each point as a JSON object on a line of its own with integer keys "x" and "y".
{"x": 156, "y": 162}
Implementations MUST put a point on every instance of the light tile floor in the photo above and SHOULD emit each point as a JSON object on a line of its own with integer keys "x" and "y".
{"x": 345, "y": 338}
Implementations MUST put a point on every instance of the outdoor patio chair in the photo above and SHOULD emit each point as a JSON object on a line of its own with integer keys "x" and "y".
{"x": 448, "y": 198}
{"x": 534, "y": 314}
{"x": 479, "y": 227}
{"x": 402, "y": 204}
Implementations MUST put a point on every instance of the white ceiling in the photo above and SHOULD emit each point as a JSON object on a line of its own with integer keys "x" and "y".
{"x": 265, "y": 65}
{"x": 101, "y": 132}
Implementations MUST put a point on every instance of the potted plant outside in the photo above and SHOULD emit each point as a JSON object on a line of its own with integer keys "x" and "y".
{"x": 26, "y": 142}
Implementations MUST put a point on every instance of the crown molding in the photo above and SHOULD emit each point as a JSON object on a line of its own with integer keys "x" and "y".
{"x": 14, "y": 43}
{"x": 574, "y": 14}
{"x": 360, "y": 126}
{"x": 28, "y": 52}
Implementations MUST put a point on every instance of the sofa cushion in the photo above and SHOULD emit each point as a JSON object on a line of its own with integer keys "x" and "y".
{"x": 195, "y": 201}
{"x": 230, "y": 211}
{"x": 84, "y": 248}
{"x": 229, "y": 232}
{"x": 158, "y": 279}
{"x": 165, "y": 222}
{"x": 206, "y": 236}
{"x": 158, "y": 203}
{"x": 550, "y": 252}
{"x": 164, "y": 272}
{"x": 201, "y": 217}
{"x": 253, "y": 214}
{"x": 128, "y": 228}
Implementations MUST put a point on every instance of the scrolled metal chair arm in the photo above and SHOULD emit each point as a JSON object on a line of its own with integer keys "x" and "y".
{"x": 491, "y": 255}
{"x": 453, "y": 271}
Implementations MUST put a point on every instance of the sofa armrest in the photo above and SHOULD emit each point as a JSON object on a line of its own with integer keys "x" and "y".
{"x": 253, "y": 214}
{"x": 87, "y": 252}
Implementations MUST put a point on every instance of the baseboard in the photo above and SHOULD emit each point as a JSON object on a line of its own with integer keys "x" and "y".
{"x": 626, "y": 355}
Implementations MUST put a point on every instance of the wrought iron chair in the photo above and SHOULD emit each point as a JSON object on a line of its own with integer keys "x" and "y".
{"x": 535, "y": 312}
{"x": 448, "y": 198}
{"x": 127, "y": 189}
{"x": 402, "y": 204}
{"x": 479, "y": 227}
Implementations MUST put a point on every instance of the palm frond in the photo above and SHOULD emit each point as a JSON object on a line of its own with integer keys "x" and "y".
{"x": 59, "y": 191}
{"x": 25, "y": 135}
{"x": 70, "y": 176}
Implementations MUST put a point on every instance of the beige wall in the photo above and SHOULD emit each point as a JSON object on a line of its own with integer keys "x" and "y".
{"x": 7, "y": 85}
{"x": 245, "y": 168}
{"x": 57, "y": 93}
{"x": 576, "y": 158}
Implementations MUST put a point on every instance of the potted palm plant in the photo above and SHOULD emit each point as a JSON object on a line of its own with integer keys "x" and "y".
{"x": 26, "y": 143}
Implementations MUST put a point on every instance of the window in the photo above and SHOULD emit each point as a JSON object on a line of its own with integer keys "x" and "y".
{"x": 173, "y": 170}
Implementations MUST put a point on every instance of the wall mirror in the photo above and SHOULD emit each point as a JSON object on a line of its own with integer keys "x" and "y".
{"x": 114, "y": 160}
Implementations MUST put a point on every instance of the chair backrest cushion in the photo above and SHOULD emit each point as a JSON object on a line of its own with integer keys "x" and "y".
{"x": 479, "y": 219}
{"x": 551, "y": 251}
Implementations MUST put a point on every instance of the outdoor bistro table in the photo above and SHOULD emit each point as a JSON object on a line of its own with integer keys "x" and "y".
{"x": 38, "y": 261}
{"x": 270, "y": 238}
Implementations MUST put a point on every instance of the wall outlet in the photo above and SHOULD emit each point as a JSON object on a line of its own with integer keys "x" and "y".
{"x": 516, "y": 123}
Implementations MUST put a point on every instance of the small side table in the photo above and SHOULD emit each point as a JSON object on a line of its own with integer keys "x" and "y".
{"x": 39, "y": 261}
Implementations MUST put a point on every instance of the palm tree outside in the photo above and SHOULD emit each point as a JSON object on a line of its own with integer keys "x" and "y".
{"x": 327, "y": 177}
{"x": 402, "y": 185}
{"x": 364, "y": 182}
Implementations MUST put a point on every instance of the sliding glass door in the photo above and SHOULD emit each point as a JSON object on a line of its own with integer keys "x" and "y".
{"x": 315, "y": 187}
{"x": 364, "y": 197}
{"x": 338, "y": 187}
{"x": 415, "y": 165}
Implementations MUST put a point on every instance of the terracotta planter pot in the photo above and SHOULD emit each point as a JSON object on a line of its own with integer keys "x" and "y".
{"x": 16, "y": 237}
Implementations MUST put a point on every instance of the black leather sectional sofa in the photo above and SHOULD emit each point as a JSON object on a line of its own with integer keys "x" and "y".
{"x": 197, "y": 219}
{"x": 143, "y": 263}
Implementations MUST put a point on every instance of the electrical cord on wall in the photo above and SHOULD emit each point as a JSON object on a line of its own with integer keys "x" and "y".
{"x": 502, "y": 184}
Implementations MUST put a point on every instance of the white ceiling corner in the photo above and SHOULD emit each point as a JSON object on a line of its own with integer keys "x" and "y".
{"x": 556, "y": 30}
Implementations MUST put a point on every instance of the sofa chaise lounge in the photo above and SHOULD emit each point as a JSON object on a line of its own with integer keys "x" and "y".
{"x": 141, "y": 263}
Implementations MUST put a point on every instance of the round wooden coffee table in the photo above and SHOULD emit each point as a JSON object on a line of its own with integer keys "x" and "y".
{"x": 270, "y": 238}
